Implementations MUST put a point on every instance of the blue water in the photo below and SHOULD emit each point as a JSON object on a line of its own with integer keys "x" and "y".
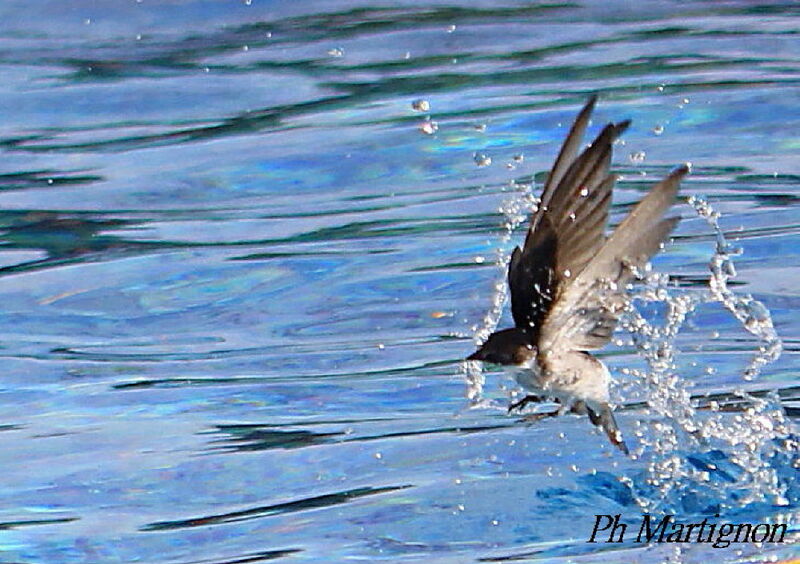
{"x": 237, "y": 279}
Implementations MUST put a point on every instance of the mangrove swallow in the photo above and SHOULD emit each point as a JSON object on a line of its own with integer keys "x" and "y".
{"x": 568, "y": 281}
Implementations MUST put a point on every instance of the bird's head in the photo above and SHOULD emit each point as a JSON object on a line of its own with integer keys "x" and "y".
{"x": 509, "y": 347}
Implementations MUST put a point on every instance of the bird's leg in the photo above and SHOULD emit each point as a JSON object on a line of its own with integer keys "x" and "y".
{"x": 579, "y": 407}
{"x": 605, "y": 420}
{"x": 519, "y": 404}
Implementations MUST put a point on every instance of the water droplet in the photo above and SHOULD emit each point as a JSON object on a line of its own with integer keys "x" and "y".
{"x": 245, "y": 48}
{"x": 637, "y": 157}
{"x": 480, "y": 127}
{"x": 658, "y": 129}
{"x": 482, "y": 159}
{"x": 429, "y": 127}
{"x": 336, "y": 52}
{"x": 451, "y": 28}
{"x": 567, "y": 273}
{"x": 378, "y": 455}
{"x": 420, "y": 105}
{"x": 480, "y": 259}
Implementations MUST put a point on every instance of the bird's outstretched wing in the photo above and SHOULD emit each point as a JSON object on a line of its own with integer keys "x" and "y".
{"x": 567, "y": 230}
{"x": 585, "y": 312}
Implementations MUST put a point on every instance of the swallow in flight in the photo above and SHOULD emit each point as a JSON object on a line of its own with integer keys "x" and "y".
{"x": 568, "y": 281}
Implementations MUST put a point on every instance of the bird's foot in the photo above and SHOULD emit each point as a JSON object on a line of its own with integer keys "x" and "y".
{"x": 520, "y": 404}
{"x": 534, "y": 417}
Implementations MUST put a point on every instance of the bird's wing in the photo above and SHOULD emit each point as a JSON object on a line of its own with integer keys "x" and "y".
{"x": 567, "y": 229}
{"x": 586, "y": 311}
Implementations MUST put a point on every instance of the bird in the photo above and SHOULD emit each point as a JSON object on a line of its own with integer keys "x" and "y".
{"x": 568, "y": 281}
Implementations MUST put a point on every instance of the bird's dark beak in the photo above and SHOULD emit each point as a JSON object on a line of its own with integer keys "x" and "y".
{"x": 477, "y": 355}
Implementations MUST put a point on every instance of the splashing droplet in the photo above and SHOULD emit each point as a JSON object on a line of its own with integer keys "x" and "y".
{"x": 429, "y": 127}
{"x": 420, "y": 105}
{"x": 482, "y": 159}
{"x": 637, "y": 157}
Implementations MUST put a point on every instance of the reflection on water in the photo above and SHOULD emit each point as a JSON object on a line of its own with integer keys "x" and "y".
{"x": 240, "y": 267}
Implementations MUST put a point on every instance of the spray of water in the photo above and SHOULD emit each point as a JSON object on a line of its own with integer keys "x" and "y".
{"x": 515, "y": 209}
{"x": 696, "y": 459}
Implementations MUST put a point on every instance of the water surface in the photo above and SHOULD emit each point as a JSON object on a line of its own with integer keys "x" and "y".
{"x": 238, "y": 278}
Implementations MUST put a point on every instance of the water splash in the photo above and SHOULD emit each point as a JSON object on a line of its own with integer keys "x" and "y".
{"x": 695, "y": 458}
{"x": 515, "y": 209}
{"x": 751, "y": 313}
{"x": 706, "y": 459}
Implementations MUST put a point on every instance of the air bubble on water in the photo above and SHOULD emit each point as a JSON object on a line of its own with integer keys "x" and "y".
{"x": 336, "y": 52}
{"x": 482, "y": 159}
{"x": 658, "y": 129}
{"x": 451, "y": 28}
